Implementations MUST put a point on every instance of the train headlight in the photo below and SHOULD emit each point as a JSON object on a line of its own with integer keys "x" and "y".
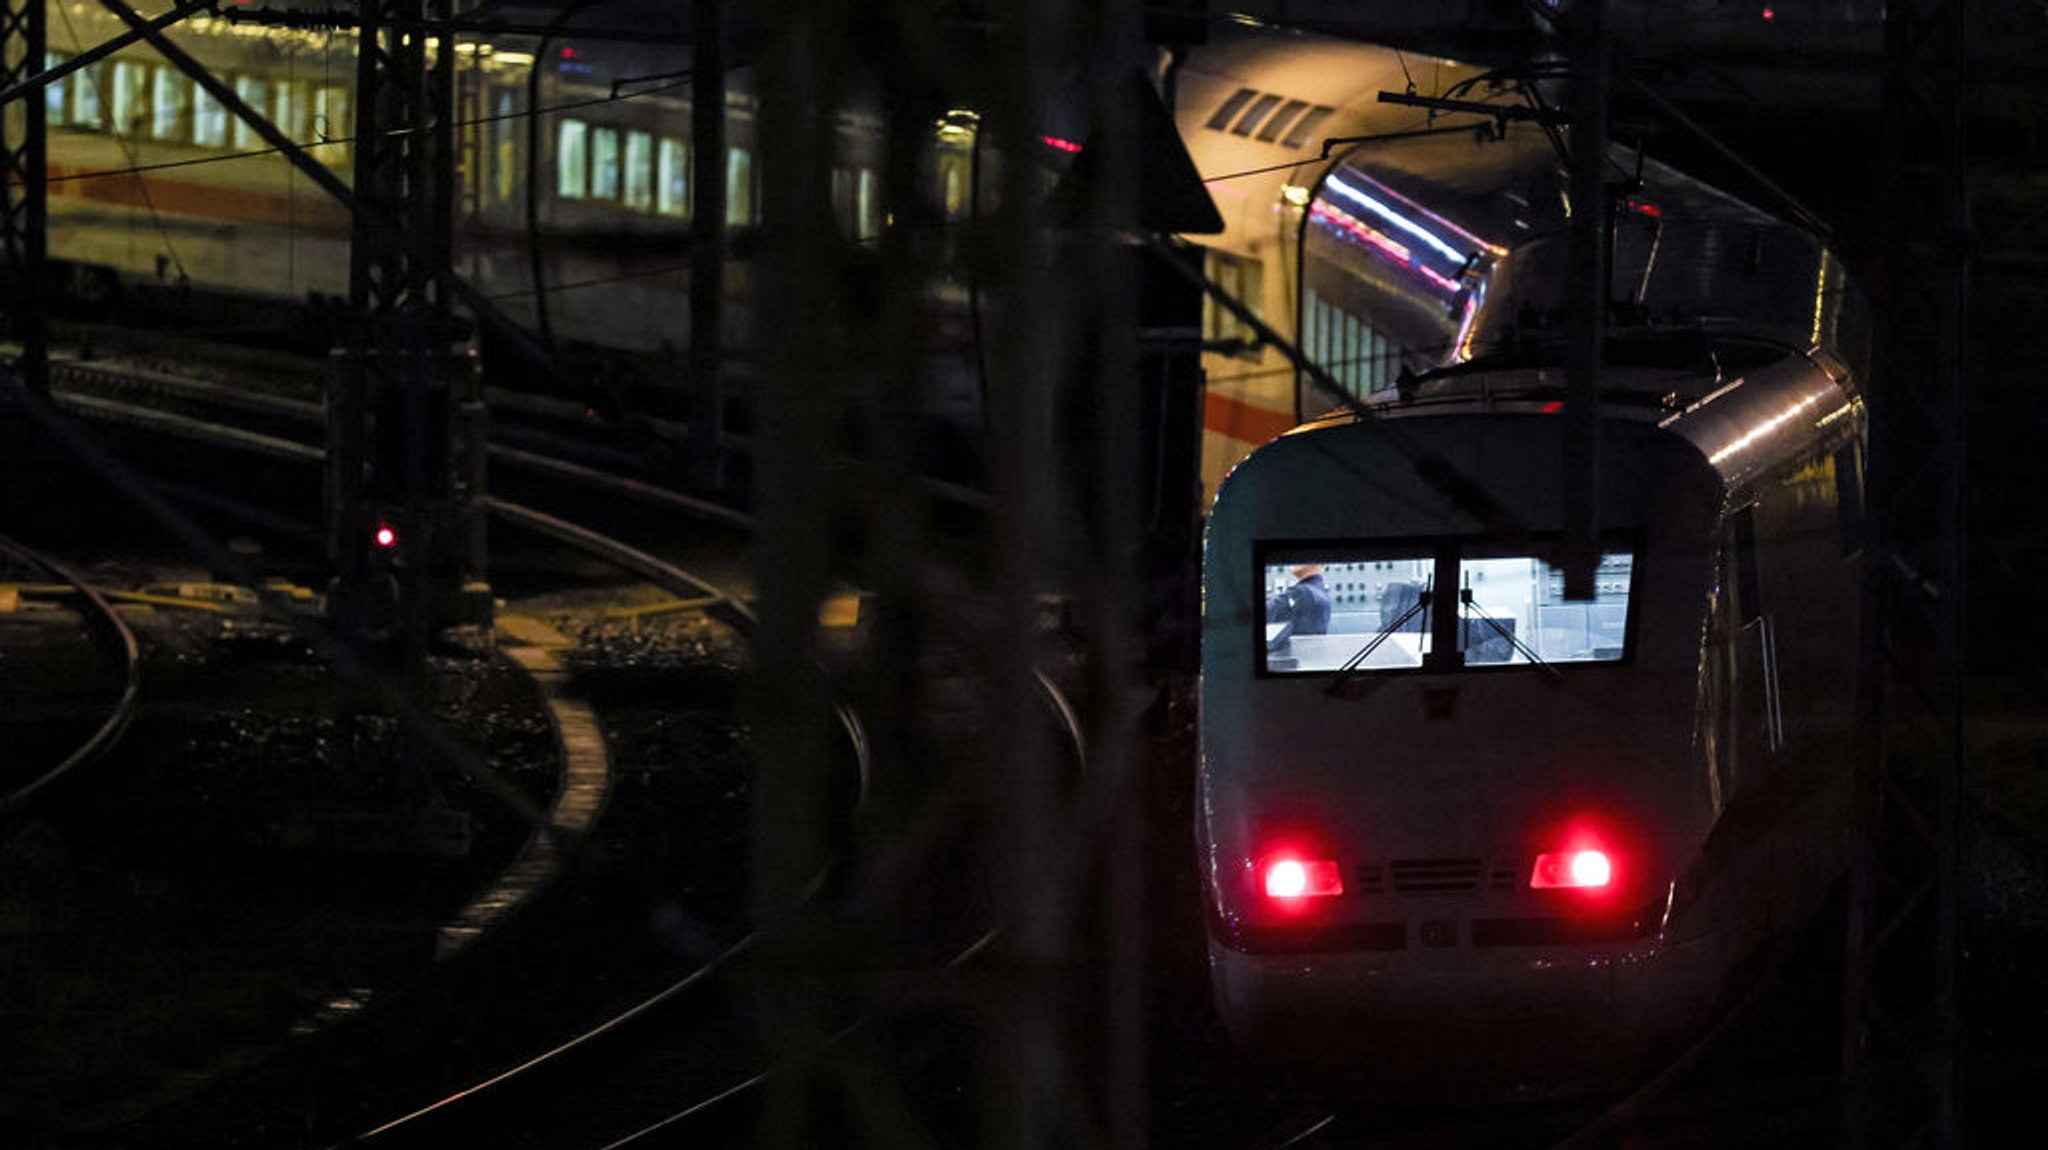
{"x": 1584, "y": 869}
{"x": 1288, "y": 878}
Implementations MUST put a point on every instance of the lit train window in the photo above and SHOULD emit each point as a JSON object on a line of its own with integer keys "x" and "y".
{"x": 209, "y": 120}
{"x": 1512, "y": 609}
{"x": 672, "y": 182}
{"x": 1363, "y": 607}
{"x": 254, "y": 92}
{"x": 331, "y": 123}
{"x": 171, "y": 98}
{"x": 1378, "y": 621}
{"x": 1243, "y": 280}
{"x": 639, "y": 171}
{"x": 131, "y": 96}
{"x": 604, "y": 163}
{"x": 55, "y": 106}
{"x": 739, "y": 187}
{"x": 85, "y": 98}
{"x": 505, "y": 172}
{"x": 288, "y": 108}
{"x": 572, "y": 160}
{"x": 867, "y": 204}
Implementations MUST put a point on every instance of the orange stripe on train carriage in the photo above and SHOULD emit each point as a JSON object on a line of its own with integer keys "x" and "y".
{"x": 310, "y": 208}
{"x": 1243, "y": 421}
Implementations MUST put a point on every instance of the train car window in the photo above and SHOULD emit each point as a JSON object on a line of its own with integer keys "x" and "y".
{"x": 1512, "y": 609}
{"x": 639, "y": 171}
{"x": 288, "y": 108}
{"x": 604, "y": 163}
{"x": 867, "y": 204}
{"x": 86, "y": 111}
{"x": 1379, "y": 607}
{"x": 504, "y": 181}
{"x": 739, "y": 186}
{"x": 131, "y": 97}
{"x": 331, "y": 122}
{"x": 842, "y": 199}
{"x": 1345, "y": 606}
{"x": 572, "y": 160}
{"x": 209, "y": 120}
{"x": 254, "y": 92}
{"x": 672, "y": 183}
{"x": 172, "y": 100}
{"x": 55, "y": 106}
{"x": 1244, "y": 281}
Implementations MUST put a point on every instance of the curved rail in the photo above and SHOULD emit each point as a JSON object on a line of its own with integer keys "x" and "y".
{"x": 115, "y": 632}
{"x": 677, "y": 581}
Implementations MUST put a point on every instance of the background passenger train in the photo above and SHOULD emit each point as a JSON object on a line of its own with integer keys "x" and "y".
{"x": 154, "y": 180}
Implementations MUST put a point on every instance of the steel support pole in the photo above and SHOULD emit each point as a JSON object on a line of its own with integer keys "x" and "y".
{"x": 1900, "y": 1032}
{"x": 707, "y": 244}
{"x": 1586, "y": 27}
{"x": 392, "y": 411}
{"x": 24, "y": 196}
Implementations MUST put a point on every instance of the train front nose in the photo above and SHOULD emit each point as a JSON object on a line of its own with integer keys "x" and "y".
{"x": 1502, "y": 947}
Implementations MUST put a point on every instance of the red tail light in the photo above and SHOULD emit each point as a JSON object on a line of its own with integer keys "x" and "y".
{"x": 1288, "y": 877}
{"x": 1582, "y": 868}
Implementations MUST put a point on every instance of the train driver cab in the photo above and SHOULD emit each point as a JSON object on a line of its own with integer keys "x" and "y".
{"x": 1438, "y": 605}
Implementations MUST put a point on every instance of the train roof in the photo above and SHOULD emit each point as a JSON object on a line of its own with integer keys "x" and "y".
{"x": 1750, "y": 416}
{"x": 1457, "y": 245}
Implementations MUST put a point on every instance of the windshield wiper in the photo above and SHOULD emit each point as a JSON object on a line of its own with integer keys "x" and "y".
{"x": 1339, "y": 676}
{"x": 1465, "y": 600}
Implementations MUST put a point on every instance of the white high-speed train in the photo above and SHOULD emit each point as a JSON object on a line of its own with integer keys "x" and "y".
{"x": 1468, "y": 838}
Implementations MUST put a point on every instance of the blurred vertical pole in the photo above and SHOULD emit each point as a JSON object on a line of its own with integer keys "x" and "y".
{"x": 707, "y": 240}
{"x": 1900, "y": 1005}
{"x": 802, "y": 409}
{"x": 1586, "y": 27}
{"x": 1027, "y": 1096}
{"x": 24, "y": 197}
{"x": 1107, "y": 570}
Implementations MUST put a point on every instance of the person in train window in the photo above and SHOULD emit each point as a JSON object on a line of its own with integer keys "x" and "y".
{"x": 1303, "y": 609}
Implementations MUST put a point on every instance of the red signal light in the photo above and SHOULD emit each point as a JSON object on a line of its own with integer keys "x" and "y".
{"x": 1288, "y": 877}
{"x": 385, "y": 537}
{"x": 1581, "y": 869}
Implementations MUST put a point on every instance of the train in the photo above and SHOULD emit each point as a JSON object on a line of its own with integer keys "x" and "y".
{"x": 574, "y": 155}
{"x": 1462, "y": 836}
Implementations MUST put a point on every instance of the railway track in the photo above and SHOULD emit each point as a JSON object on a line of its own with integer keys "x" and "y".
{"x": 26, "y": 790}
{"x": 627, "y": 1066}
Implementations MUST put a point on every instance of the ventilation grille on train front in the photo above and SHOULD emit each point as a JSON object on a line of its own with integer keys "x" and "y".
{"x": 1434, "y": 876}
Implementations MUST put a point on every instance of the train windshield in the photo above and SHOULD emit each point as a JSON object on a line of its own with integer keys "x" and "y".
{"x": 1345, "y": 608}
